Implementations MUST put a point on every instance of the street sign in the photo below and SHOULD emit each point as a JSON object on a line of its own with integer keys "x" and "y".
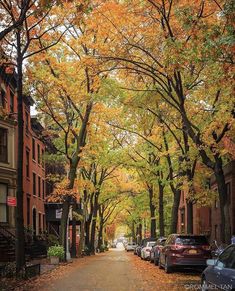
{"x": 58, "y": 213}
{"x": 11, "y": 201}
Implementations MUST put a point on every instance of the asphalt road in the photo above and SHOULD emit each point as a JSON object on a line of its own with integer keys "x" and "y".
{"x": 109, "y": 272}
{"x": 115, "y": 270}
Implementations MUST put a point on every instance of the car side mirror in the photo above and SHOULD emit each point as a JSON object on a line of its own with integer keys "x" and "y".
{"x": 211, "y": 262}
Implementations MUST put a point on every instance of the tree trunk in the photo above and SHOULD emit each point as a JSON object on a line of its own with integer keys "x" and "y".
{"x": 133, "y": 231}
{"x": 161, "y": 209}
{"x": 74, "y": 233}
{"x": 174, "y": 211}
{"x": 152, "y": 212}
{"x": 100, "y": 235}
{"x": 88, "y": 223}
{"x": 93, "y": 223}
{"x": 66, "y": 205}
{"x": 19, "y": 216}
{"x": 81, "y": 241}
{"x": 224, "y": 202}
{"x": 140, "y": 233}
{"x": 189, "y": 217}
{"x": 63, "y": 225}
{"x": 87, "y": 231}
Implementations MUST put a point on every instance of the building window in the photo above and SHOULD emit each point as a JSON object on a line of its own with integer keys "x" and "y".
{"x": 28, "y": 211}
{"x": 27, "y": 163}
{"x": 39, "y": 154}
{"x": 43, "y": 189}
{"x": 43, "y": 161}
{"x": 33, "y": 149}
{"x": 27, "y": 122}
{"x": 2, "y": 99}
{"x": 34, "y": 184}
{"x": 11, "y": 102}
{"x": 40, "y": 222}
{"x": 3, "y": 145}
{"x": 3, "y": 203}
{"x": 39, "y": 187}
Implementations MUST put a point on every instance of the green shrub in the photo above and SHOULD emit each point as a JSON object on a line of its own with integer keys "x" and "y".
{"x": 56, "y": 251}
{"x": 52, "y": 240}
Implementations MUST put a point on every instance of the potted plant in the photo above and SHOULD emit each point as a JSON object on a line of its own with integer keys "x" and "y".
{"x": 55, "y": 253}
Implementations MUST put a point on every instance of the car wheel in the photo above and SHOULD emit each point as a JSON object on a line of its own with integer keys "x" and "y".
{"x": 204, "y": 284}
{"x": 167, "y": 267}
{"x": 156, "y": 262}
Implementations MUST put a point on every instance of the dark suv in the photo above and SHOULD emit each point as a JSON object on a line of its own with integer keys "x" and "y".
{"x": 184, "y": 251}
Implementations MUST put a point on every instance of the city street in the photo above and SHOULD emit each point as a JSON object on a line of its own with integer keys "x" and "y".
{"x": 113, "y": 270}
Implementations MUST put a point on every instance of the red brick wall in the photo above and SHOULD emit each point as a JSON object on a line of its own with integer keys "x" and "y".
{"x": 35, "y": 167}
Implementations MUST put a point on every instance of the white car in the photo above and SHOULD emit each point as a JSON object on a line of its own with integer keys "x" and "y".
{"x": 130, "y": 247}
{"x": 145, "y": 251}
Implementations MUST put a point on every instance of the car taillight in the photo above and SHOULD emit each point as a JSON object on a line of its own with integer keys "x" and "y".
{"x": 206, "y": 248}
{"x": 176, "y": 248}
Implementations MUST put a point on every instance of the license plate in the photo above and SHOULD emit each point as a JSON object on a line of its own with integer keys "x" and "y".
{"x": 192, "y": 251}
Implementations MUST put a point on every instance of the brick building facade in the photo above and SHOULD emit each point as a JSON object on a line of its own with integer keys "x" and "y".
{"x": 33, "y": 168}
{"x": 7, "y": 147}
{"x": 206, "y": 220}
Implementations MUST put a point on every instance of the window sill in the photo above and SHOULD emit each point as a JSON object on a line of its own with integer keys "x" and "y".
{"x": 4, "y": 162}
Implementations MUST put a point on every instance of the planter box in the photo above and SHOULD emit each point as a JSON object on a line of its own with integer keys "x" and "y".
{"x": 54, "y": 260}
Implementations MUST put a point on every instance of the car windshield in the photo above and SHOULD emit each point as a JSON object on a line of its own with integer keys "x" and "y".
{"x": 191, "y": 240}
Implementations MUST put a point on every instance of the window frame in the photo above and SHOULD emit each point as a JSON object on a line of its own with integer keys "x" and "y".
{"x": 27, "y": 163}
{"x": 33, "y": 149}
{"x": 39, "y": 186}
{"x": 4, "y": 160}
{"x": 38, "y": 154}
{"x": 3, "y": 98}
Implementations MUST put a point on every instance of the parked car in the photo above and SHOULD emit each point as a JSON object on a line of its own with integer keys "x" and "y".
{"x": 145, "y": 251}
{"x": 113, "y": 245}
{"x": 138, "y": 250}
{"x": 131, "y": 247}
{"x": 184, "y": 251}
{"x": 220, "y": 273}
{"x": 155, "y": 251}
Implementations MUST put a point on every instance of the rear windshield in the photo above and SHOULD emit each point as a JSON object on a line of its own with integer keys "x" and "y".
{"x": 151, "y": 243}
{"x": 191, "y": 240}
{"x": 161, "y": 242}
